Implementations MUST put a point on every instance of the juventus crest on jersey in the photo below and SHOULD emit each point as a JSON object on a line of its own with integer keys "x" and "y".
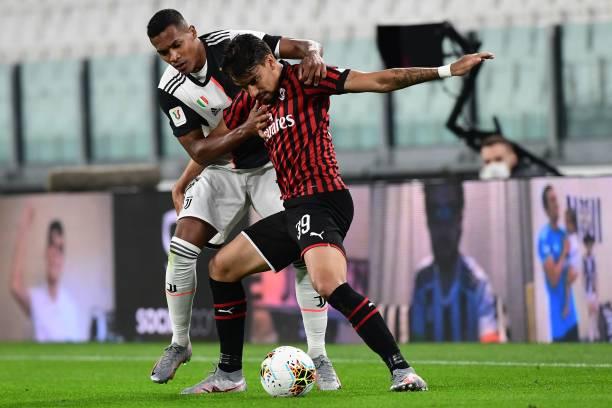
{"x": 197, "y": 101}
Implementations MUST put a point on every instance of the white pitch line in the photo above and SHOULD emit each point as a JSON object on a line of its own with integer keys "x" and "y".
{"x": 96, "y": 358}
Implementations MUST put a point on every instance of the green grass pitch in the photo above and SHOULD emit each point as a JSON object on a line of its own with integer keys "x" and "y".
{"x": 469, "y": 375}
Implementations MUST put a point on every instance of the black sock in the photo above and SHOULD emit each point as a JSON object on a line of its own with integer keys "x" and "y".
{"x": 230, "y": 314}
{"x": 369, "y": 324}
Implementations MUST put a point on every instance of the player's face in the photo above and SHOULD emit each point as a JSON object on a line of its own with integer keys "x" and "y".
{"x": 262, "y": 81}
{"x": 444, "y": 237}
{"x": 552, "y": 207}
{"x": 498, "y": 153}
{"x": 180, "y": 47}
{"x": 55, "y": 257}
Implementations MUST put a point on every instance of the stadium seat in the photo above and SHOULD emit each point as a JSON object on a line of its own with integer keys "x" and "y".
{"x": 6, "y": 121}
{"x": 587, "y": 59}
{"x": 52, "y": 124}
{"x": 356, "y": 119}
{"x": 122, "y": 108}
{"x": 515, "y": 86}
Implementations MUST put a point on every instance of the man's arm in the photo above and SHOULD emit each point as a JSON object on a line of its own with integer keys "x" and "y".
{"x": 394, "y": 79}
{"x": 204, "y": 150}
{"x": 554, "y": 269}
{"x": 18, "y": 289}
{"x": 312, "y": 69}
{"x": 178, "y": 189}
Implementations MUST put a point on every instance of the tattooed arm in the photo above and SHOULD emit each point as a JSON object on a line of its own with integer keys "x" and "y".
{"x": 398, "y": 78}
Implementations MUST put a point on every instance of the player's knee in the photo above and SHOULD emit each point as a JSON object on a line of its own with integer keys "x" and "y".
{"x": 219, "y": 269}
{"x": 325, "y": 287}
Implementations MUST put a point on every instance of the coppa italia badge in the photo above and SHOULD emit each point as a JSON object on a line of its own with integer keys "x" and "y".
{"x": 203, "y": 102}
{"x": 178, "y": 116}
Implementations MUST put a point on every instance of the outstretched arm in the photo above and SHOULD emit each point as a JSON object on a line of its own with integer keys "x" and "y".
{"x": 312, "y": 69}
{"x": 18, "y": 289}
{"x": 394, "y": 79}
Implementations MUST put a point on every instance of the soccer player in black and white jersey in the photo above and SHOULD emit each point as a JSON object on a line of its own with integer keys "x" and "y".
{"x": 318, "y": 206}
{"x": 193, "y": 92}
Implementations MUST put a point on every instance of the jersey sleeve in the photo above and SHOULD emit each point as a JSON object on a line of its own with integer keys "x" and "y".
{"x": 332, "y": 84}
{"x": 238, "y": 112}
{"x": 273, "y": 41}
{"x": 181, "y": 117}
{"x": 544, "y": 249}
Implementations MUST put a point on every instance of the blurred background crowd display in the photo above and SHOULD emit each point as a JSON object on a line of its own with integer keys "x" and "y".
{"x": 469, "y": 193}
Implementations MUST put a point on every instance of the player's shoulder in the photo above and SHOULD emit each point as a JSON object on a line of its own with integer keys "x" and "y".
{"x": 425, "y": 271}
{"x": 476, "y": 271}
{"x": 544, "y": 232}
{"x": 217, "y": 37}
{"x": 171, "y": 79}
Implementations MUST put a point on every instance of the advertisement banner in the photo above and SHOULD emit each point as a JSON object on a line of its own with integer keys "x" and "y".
{"x": 57, "y": 267}
{"x": 144, "y": 224}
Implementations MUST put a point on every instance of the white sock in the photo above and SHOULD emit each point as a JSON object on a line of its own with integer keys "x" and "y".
{"x": 314, "y": 312}
{"x": 181, "y": 287}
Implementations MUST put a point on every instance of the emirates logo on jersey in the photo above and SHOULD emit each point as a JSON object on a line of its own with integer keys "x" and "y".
{"x": 277, "y": 124}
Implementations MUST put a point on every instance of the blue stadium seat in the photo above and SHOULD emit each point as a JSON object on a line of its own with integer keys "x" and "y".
{"x": 123, "y": 111}
{"x": 587, "y": 85}
{"x": 421, "y": 112}
{"x": 6, "y": 122}
{"x": 356, "y": 119}
{"x": 52, "y": 111}
{"x": 515, "y": 86}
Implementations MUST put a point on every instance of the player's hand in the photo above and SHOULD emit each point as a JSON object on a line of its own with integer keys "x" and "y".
{"x": 258, "y": 120}
{"x": 465, "y": 64}
{"x": 178, "y": 197}
{"x": 312, "y": 69}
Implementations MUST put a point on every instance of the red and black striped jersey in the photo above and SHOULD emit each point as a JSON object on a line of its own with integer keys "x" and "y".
{"x": 298, "y": 139}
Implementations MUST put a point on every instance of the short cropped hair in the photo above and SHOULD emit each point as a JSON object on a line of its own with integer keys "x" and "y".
{"x": 164, "y": 19}
{"x": 55, "y": 226}
{"x": 496, "y": 139}
{"x": 544, "y": 196}
{"x": 243, "y": 54}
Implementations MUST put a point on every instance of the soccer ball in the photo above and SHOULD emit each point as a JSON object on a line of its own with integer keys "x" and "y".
{"x": 287, "y": 372}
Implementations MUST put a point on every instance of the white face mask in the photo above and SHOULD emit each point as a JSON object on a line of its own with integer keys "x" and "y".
{"x": 495, "y": 170}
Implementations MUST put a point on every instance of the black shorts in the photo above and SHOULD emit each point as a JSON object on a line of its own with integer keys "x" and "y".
{"x": 306, "y": 222}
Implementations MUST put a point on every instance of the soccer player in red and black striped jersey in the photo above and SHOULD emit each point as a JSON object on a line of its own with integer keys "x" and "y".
{"x": 318, "y": 205}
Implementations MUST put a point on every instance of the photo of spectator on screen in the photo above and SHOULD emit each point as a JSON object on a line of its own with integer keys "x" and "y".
{"x": 51, "y": 308}
{"x": 453, "y": 299}
{"x": 555, "y": 253}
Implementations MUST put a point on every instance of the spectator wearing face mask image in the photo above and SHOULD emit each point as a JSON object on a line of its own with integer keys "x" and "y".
{"x": 500, "y": 161}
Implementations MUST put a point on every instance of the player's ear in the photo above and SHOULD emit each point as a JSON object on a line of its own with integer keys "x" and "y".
{"x": 270, "y": 60}
{"x": 193, "y": 31}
